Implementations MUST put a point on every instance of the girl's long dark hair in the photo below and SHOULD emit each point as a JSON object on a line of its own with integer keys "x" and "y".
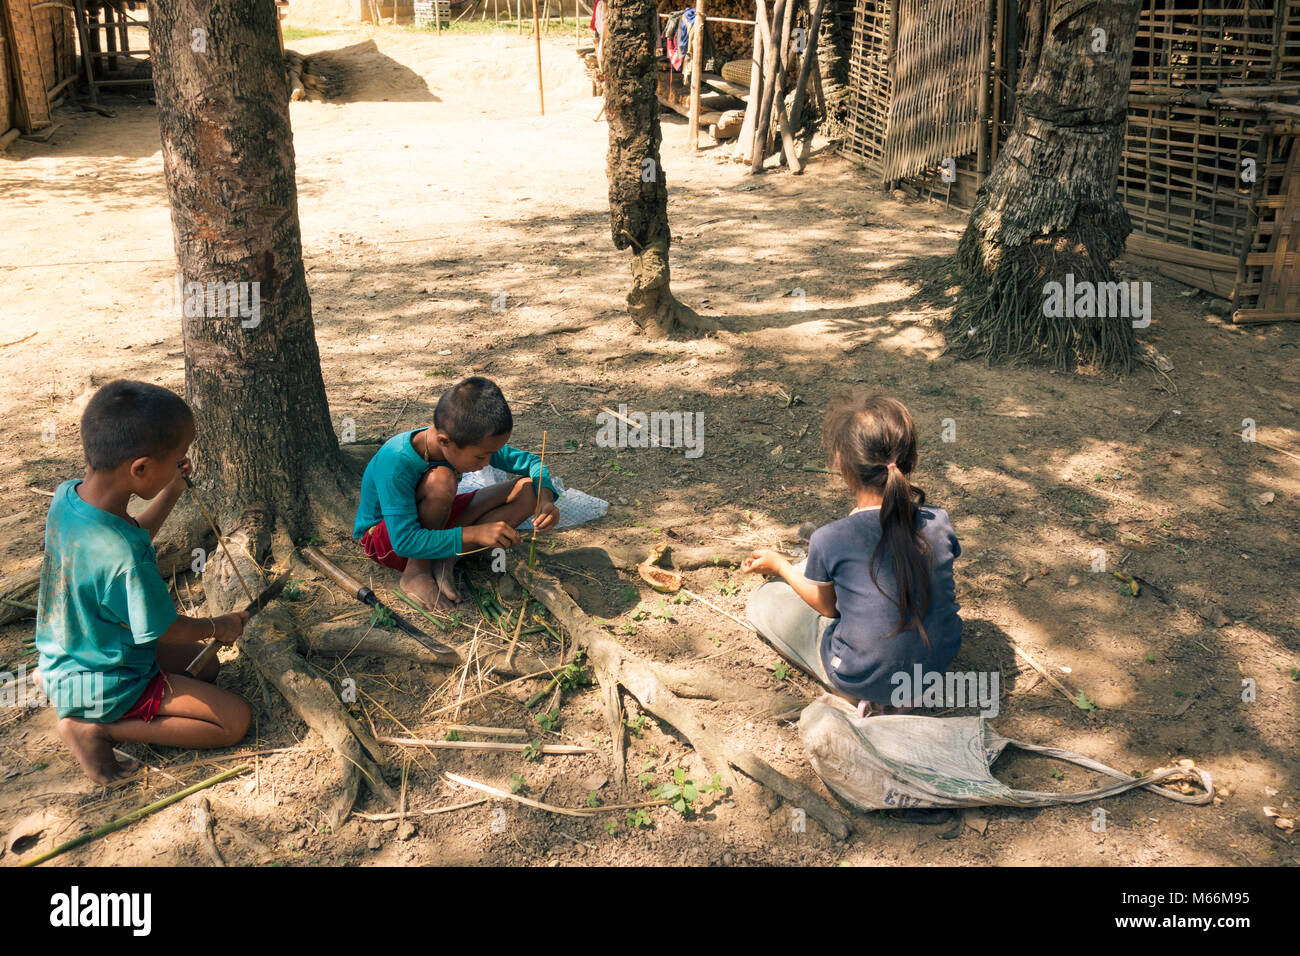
{"x": 863, "y": 435}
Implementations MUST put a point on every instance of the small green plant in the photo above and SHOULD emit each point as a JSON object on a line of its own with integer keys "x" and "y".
{"x": 1139, "y": 774}
{"x": 575, "y": 673}
{"x": 292, "y": 591}
{"x": 681, "y": 597}
{"x": 714, "y": 640}
{"x": 1084, "y": 704}
{"x": 639, "y": 612}
{"x": 1294, "y": 674}
{"x": 611, "y": 827}
{"x": 593, "y": 799}
{"x": 382, "y": 617}
{"x": 1180, "y": 693}
{"x": 1150, "y": 658}
{"x": 635, "y": 725}
{"x": 548, "y": 721}
{"x": 664, "y": 613}
{"x": 629, "y": 629}
{"x": 781, "y": 670}
{"x": 638, "y": 818}
{"x": 517, "y": 783}
{"x": 725, "y": 587}
{"x": 533, "y": 750}
{"x": 1057, "y": 775}
{"x": 454, "y": 735}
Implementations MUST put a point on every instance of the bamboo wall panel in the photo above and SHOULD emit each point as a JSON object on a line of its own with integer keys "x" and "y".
{"x": 937, "y": 71}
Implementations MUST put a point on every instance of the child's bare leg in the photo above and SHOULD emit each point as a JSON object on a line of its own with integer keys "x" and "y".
{"x": 192, "y": 714}
{"x": 513, "y": 502}
{"x": 92, "y": 744}
{"x": 423, "y": 581}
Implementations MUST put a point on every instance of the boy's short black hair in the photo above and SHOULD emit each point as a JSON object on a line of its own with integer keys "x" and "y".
{"x": 472, "y": 411}
{"x": 127, "y": 420}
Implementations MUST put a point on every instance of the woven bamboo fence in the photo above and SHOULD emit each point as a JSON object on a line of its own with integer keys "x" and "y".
{"x": 938, "y": 67}
{"x": 1210, "y": 173}
{"x": 870, "y": 89}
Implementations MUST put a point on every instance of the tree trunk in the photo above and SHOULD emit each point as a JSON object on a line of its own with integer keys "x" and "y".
{"x": 1049, "y": 208}
{"x": 266, "y": 457}
{"x": 833, "y": 39}
{"x": 252, "y": 369}
{"x": 638, "y": 190}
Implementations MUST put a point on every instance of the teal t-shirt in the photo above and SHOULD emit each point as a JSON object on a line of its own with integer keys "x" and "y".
{"x": 388, "y": 495}
{"x": 103, "y": 603}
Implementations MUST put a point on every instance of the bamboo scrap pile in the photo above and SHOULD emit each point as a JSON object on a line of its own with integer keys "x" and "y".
{"x": 308, "y": 78}
{"x": 772, "y": 120}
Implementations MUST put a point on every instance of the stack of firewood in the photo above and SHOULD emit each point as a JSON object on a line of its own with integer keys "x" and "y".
{"x": 308, "y": 79}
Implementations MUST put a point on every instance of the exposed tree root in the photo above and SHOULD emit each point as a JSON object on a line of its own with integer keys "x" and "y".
{"x": 656, "y": 688}
{"x": 651, "y": 303}
{"x": 625, "y": 557}
{"x": 344, "y": 638}
{"x": 269, "y": 642}
{"x": 1001, "y": 314}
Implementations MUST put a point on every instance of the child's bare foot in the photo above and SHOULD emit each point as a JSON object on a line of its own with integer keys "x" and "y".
{"x": 91, "y": 744}
{"x": 444, "y": 572}
{"x": 420, "y": 588}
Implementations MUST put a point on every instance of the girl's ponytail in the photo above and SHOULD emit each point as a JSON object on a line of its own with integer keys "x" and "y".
{"x": 871, "y": 441}
{"x": 909, "y": 550}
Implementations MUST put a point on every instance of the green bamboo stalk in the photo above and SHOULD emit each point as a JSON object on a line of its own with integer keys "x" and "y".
{"x": 134, "y": 816}
{"x": 437, "y": 623}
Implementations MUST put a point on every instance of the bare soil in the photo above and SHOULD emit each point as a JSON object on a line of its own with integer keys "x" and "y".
{"x": 432, "y": 188}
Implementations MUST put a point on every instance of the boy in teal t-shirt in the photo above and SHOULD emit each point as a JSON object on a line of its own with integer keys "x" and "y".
{"x": 412, "y": 520}
{"x": 113, "y": 650}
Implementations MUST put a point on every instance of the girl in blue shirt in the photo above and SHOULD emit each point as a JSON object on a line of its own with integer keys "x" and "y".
{"x": 876, "y": 595}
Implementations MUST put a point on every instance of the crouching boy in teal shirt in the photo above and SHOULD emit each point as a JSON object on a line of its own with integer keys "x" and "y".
{"x": 113, "y": 650}
{"x": 412, "y": 520}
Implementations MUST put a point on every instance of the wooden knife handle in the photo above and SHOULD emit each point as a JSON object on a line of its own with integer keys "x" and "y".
{"x": 334, "y": 573}
{"x": 205, "y": 655}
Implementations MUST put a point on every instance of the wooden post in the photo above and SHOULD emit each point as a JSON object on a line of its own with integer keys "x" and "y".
{"x": 805, "y": 65}
{"x": 697, "y": 64}
{"x": 769, "y": 78}
{"x": 781, "y": 38}
{"x": 999, "y": 78}
{"x": 110, "y": 35}
{"x": 537, "y": 41}
{"x": 745, "y": 142}
{"x": 437, "y": 17}
{"x": 986, "y": 67}
{"x": 519, "y": 15}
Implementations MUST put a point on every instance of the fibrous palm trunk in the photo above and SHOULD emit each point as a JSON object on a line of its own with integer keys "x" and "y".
{"x": 1049, "y": 208}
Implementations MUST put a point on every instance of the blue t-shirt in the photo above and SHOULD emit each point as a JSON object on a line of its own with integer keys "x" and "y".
{"x": 103, "y": 603}
{"x": 859, "y": 650}
{"x": 388, "y": 495}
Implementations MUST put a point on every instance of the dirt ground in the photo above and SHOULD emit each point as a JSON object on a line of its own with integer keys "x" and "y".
{"x": 433, "y": 187}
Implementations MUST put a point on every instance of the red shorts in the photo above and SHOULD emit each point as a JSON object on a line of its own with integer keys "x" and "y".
{"x": 146, "y": 708}
{"x": 380, "y": 549}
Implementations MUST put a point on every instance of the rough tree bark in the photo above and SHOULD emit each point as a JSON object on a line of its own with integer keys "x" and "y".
{"x": 266, "y": 457}
{"x": 1049, "y": 207}
{"x": 833, "y": 63}
{"x": 638, "y": 190}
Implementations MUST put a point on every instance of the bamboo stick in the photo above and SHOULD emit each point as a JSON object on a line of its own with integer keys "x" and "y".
{"x": 134, "y": 815}
{"x": 537, "y": 42}
{"x": 498, "y": 745}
